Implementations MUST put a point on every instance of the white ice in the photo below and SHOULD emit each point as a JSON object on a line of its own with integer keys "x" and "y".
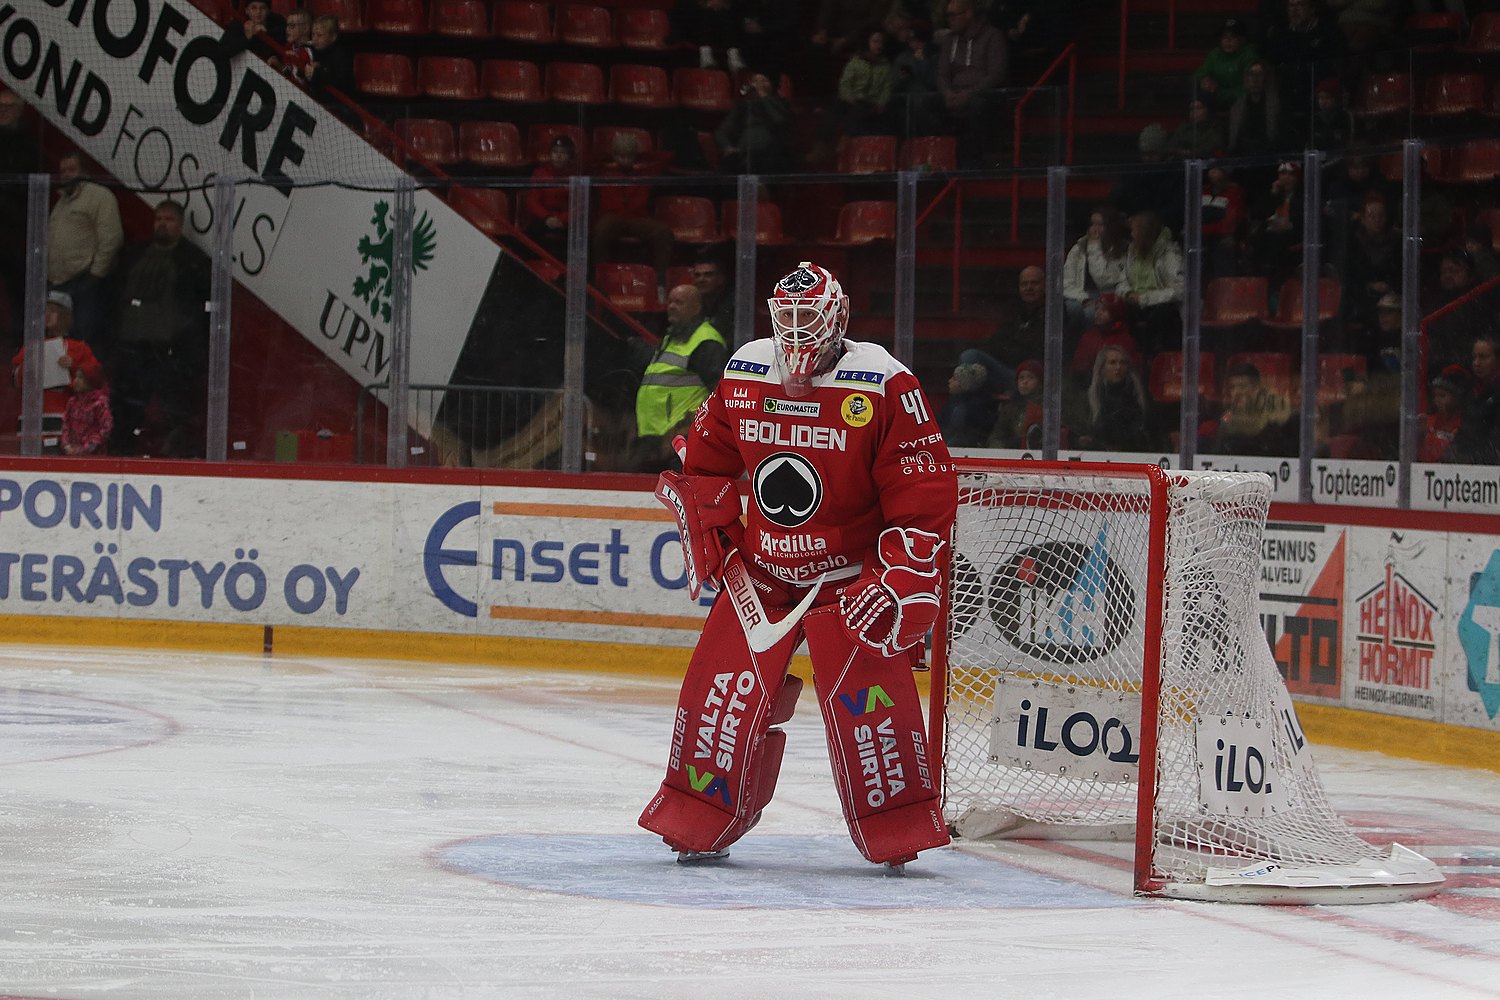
{"x": 202, "y": 826}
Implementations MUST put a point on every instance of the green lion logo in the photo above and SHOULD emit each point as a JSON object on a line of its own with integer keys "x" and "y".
{"x": 375, "y": 287}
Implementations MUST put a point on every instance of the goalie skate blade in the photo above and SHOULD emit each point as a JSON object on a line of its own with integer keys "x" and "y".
{"x": 893, "y": 869}
{"x": 699, "y": 857}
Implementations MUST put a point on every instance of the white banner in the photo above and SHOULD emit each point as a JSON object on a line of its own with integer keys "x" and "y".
{"x": 1354, "y": 482}
{"x": 1466, "y": 488}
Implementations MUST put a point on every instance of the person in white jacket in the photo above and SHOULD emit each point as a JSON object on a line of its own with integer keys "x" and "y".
{"x": 1095, "y": 266}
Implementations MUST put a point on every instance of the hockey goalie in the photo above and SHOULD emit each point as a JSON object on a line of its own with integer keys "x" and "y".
{"x": 851, "y": 501}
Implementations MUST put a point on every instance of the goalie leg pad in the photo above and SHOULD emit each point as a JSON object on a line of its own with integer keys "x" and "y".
{"x": 725, "y": 757}
{"x": 877, "y": 743}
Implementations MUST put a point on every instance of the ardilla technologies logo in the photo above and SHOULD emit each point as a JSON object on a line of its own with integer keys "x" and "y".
{"x": 378, "y": 255}
{"x": 1479, "y": 633}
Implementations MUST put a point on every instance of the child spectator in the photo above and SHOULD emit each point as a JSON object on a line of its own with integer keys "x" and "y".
{"x": 87, "y": 420}
{"x": 545, "y": 208}
{"x": 1019, "y": 422}
{"x": 1447, "y": 394}
{"x": 1332, "y": 124}
{"x": 1199, "y": 136}
{"x": 67, "y": 357}
{"x": 1223, "y": 220}
{"x": 1109, "y": 330}
{"x": 969, "y": 414}
{"x": 1118, "y": 413}
{"x": 1220, "y": 79}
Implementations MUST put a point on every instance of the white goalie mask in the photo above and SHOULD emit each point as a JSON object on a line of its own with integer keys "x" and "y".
{"x": 809, "y": 314}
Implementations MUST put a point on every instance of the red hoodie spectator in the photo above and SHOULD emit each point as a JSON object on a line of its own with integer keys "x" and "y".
{"x": 1448, "y": 391}
{"x": 75, "y": 356}
{"x": 1109, "y": 330}
{"x": 545, "y": 210}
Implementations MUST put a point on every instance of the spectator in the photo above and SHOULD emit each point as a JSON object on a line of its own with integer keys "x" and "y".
{"x": 1159, "y": 186}
{"x": 969, "y": 414}
{"x": 1153, "y": 270}
{"x": 1256, "y": 421}
{"x": 64, "y": 358}
{"x": 86, "y": 418}
{"x": 625, "y": 209}
{"x": 20, "y": 155}
{"x": 1095, "y": 265}
{"x": 1118, "y": 413}
{"x": 1021, "y": 328}
{"x": 331, "y": 67}
{"x": 1109, "y": 330}
{"x": 1220, "y": 79}
{"x": 1379, "y": 338}
{"x": 299, "y": 51}
{"x": 162, "y": 339}
{"x": 1276, "y": 225}
{"x": 711, "y": 278}
{"x": 972, "y": 63}
{"x": 1223, "y": 216}
{"x": 864, "y": 97}
{"x": 1332, "y": 124}
{"x": 1255, "y": 126}
{"x": 544, "y": 211}
{"x": 1346, "y": 188}
{"x": 712, "y": 26}
{"x": 1478, "y": 439}
{"x": 1200, "y": 136}
{"x": 682, "y": 371}
{"x": 86, "y": 236}
{"x": 1307, "y": 47}
{"x": 1449, "y": 336}
{"x": 1019, "y": 421}
{"x": 261, "y": 24}
{"x": 755, "y": 137}
{"x": 917, "y": 98}
{"x": 1446, "y": 395}
{"x": 1479, "y": 245}
{"x": 1373, "y": 265}
{"x": 1365, "y": 23}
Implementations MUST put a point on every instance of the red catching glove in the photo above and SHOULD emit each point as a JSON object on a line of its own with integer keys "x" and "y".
{"x": 707, "y": 509}
{"x": 892, "y": 606}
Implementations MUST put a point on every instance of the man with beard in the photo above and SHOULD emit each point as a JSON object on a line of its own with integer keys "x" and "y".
{"x": 86, "y": 236}
{"x": 682, "y": 372}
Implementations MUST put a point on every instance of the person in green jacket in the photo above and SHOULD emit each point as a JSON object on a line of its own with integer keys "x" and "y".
{"x": 682, "y": 372}
{"x": 1219, "y": 80}
{"x": 864, "y": 98}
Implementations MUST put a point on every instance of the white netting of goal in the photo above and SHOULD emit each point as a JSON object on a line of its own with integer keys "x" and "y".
{"x": 1057, "y": 603}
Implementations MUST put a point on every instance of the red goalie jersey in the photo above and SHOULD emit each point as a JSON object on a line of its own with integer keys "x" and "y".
{"x": 828, "y": 470}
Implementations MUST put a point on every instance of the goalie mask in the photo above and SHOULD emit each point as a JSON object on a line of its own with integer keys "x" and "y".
{"x": 809, "y": 313}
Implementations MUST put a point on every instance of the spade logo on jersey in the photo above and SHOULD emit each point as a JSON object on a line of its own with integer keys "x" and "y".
{"x": 787, "y": 489}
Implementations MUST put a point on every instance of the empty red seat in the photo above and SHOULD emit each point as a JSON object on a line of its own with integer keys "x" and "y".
{"x": 1167, "y": 376}
{"x": 382, "y": 74}
{"x": 768, "y": 228}
{"x": 1475, "y": 162}
{"x": 1331, "y": 369}
{"x": 512, "y": 80}
{"x": 631, "y": 287}
{"x": 868, "y": 154}
{"x": 487, "y": 208}
{"x": 640, "y": 86}
{"x": 863, "y": 222}
{"x": 461, "y": 18}
{"x": 1453, "y": 94}
{"x": 429, "y": 139}
{"x": 702, "y": 89}
{"x": 1232, "y": 301}
{"x": 1384, "y": 94}
{"x": 442, "y": 76}
{"x": 1484, "y": 35}
{"x": 575, "y": 83}
{"x": 578, "y": 24}
{"x": 521, "y": 21}
{"x": 603, "y": 139}
{"x": 492, "y": 144}
{"x": 396, "y": 17}
{"x": 930, "y": 152}
{"x": 1444, "y": 20}
{"x": 1289, "y": 303}
{"x": 692, "y": 218}
{"x": 1275, "y": 368}
{"x": 539, "y": 140}
{"x": 350, "y": 13}
{"x": 644, "y": 28}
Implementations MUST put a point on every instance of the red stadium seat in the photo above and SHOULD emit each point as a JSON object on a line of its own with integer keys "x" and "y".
{"x": 1475, "y": 162}
{"x": 575, "y": 83}
{"x": 381, "y": 74}
{"x": 868, "y": 154}
{"x": 1233, "y": 301}
{"x": 461, "y": 18}
{"x": 1289, "y": 303}
{"x": 492, "y": 144}
{"x": 1166, "y": 378}
{"x": 1331, "y": 368}
{"x": 768, "y": 228}
{"x": 396, "y": 17}
{"x": 350, "y": 13}
{"x": 282, "y": 7}
{"x": 578, "y": 24}
{"x": 702, "y": 89}
{"x": 430, "y": 139}
{"x": 643, "y": 28}
{"x": 539, "y": 140}
{"x": 603, "y": 138}
{"x": 1383, "y": 94}
{"x": 1449, "y": 94}
{"x": 1484, "y": 36}
{"x": 1275, "y": 367}
{"x": 631, "y": 287}
{"x": 640, "y": 86}
{"x": 691, "y": 217}
{"x": 487, "y": 208}
{"x": 522, "y": 21}
{"x": 930, "y": 152}
{"x": 513, "y": 80}
{"x": 1436, "y": 21}
{"x": 1491, "y": 217}
{"x": 863, "y": 222}
{"x": 441, "y": 76}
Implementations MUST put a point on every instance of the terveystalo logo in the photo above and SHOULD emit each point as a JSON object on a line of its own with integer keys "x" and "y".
{"x": 375, "y": 288}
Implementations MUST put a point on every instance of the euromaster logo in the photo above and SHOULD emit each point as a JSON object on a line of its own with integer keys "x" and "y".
{"x": 857, "y": 410}
{"x": 792, "y": 407}
{"x": 1479, "y": 634}
{"x": 378, "y": 256}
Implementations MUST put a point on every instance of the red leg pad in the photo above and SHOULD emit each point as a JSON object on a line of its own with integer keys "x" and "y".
{"x": 725, "y": 757}
{"x": 877, "y": 743}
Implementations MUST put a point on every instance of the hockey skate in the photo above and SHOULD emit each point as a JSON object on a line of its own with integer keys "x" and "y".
{"x": 700, "y": 857}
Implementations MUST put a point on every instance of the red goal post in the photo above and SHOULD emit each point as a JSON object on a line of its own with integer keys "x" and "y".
{"x": 1099, "y": 671}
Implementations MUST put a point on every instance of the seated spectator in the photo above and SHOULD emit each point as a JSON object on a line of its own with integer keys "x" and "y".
{"x": 1478, "y": 439}
{"x": 625, "y": 209}
{"x": 86, "y": 418}
{"x": 299, "y": 51}
{"x": 1220, "y": 79}
{"x": 544, "y": 210}
{"x": 711, "y": 278}
{"x": 1255, "y": 125}
{"x": 1022, "y": 326}
{"x": 1275, "y": 226}
{"x": 1379, "y": 340}
{"x": 1199, "y": 136}
{"x": 1223, "y": 215}
{"x": 969, "y": 414}
{"x": 331, "y": 67}
{"x": 1255, "y": 421}
{"x": 1479, "y": 245}
{"x": 864, "y": 97}
{"x": 64, "y": 358}
{"x": 1365, "y": 23}
{"x": 712, "y": 26}
{"x": 1449, "y": 336}
{"x": 756, "y": 136}
{"x": 916, "y": 98}
{"x": 260, "y": 23}
{"x": 1018, "y": 424}
{"x": 1307, "y": 46}
{"x": 1158, "y": 187}
{"x": 1153, "y": 272}
{"x": 1446, "y": 394}
{"x": 1332, "y": 124}
{"x": 1094, "y": 266}
{"x": 1119, "y": 416}
{"x": 679, "y": 375}
{"x": 972, "y": 63}
{"x": 1372, "y": 267}
{"x": 1109, "y": 330}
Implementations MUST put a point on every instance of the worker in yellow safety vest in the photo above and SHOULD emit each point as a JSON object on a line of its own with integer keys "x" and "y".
{"x": 683, "y": 371}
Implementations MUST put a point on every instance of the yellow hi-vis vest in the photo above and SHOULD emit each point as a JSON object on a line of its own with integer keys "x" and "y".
{"x": 670, "y": 390}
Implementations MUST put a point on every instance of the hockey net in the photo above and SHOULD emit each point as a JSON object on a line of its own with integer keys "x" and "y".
{"x": 1101, "y": 672}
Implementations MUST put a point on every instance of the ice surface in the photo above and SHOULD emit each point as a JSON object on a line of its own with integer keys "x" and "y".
{"x": 199, "y": 826}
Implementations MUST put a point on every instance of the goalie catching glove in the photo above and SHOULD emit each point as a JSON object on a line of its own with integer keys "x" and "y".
{"x": 892, "y": 606}
{"x": 707, "y": 509}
